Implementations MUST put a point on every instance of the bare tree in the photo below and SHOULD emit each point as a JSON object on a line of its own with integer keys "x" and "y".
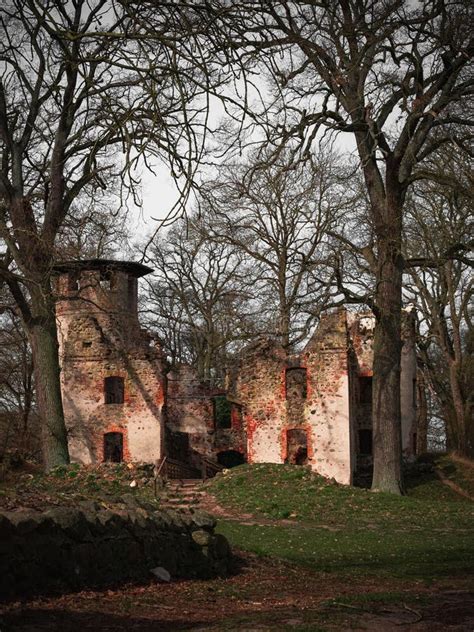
{"x": 388, "y": 74}
{"x": 87, "y": 90}
{"x": 439, "y": 228}
{"x": 199, "y": 298}
{"x": 94, "y": 229}
{"x": 279, "y": 214}
{"x": 16, "y": 380}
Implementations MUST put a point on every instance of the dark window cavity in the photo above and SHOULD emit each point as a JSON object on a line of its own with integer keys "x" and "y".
{"x": 73, "y": 281}
{"x": 114, "y": 390}
{"x": 230, "y": 458}
{"x": 113, "y": 447}
{"x": 296, "y": 383}
{"x": 365, "y": 442}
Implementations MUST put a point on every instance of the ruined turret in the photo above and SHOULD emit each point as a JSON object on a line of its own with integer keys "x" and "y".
{"x": 112, "y": 372}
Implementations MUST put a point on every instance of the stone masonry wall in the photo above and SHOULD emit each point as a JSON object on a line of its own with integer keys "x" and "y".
{"x": 189, "y": 414}
{"x": 328, "y": 401}
{"x": 71, "y": 549}
{"x": 260, "y": 387}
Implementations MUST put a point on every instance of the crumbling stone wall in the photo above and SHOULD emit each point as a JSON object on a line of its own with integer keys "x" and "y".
{"x": 189, "y": 415}
{"x": 260, "y": 387}
{"x": 318, "y": 403}
{"x": 191, "y": 428}
{"x": 312, "y": 408}
{"x": 327, "y": 409}
{"x": 361, "y": 334}
{"x": 71, "y": 549}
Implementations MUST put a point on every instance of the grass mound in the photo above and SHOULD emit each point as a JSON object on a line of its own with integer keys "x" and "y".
{"x": 346, "y": 530}
{"x": 289, "y": 491}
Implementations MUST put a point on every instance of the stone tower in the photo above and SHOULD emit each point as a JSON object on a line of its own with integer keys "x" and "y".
{"x": 112, "y": 372}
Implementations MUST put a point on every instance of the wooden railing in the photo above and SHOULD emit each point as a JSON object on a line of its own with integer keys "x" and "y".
{"x": 209, "y": 468}
{"x": 168, "y": 468}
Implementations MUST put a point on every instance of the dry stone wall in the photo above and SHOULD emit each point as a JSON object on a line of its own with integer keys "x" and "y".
{"x": 71, "y": 549}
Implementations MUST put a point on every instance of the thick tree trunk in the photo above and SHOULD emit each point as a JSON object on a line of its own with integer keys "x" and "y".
{"x": 461, "y": 440}
{"x": 387, "y": 352}
{"x": 421, "y": 414}
{"x": 44, "y": 346}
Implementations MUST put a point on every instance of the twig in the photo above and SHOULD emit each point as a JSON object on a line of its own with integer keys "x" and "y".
{"x": 415, "y": 612}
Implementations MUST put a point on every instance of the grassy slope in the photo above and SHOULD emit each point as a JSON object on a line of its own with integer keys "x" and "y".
{"x": 425, "y": 535}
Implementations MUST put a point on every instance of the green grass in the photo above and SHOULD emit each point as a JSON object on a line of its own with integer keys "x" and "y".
{"x": 339, "y": 529}
{"x": 355, "y": 552}
{"x": 286, "y": 491}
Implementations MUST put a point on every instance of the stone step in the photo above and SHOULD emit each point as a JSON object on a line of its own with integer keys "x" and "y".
{"x": 177, "y": 501}
{"x": 182, "y": 492}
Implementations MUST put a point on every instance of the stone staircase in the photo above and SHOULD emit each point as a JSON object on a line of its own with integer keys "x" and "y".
{"x": 181, "y": 494}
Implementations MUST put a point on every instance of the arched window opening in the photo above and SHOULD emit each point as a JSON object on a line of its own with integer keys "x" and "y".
{"x": 113, "y": 447}
{"x": 114, "y": 390}
{"x": 230, "y": 458}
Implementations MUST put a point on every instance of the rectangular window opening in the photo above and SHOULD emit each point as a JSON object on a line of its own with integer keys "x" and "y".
{"x": 107, "y": 280}
{"x": 114, "y": 390}
{"x": 296, "y": 385}
{"x": 222, "y": 412}
{"x": 113, "y": 447}
{"x": 365, "y": 390}
{"x": 73, "y": 281}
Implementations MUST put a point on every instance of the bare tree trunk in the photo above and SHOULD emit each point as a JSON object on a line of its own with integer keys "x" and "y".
{"x": 460, "y": 445}
{"x": 421, "y": 414}
{"x": 387, "y": 353}
{"x": 44, "y": 347}
{"x": 284, "y": 327}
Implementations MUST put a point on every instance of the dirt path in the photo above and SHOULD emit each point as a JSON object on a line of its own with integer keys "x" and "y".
{"x": 264, "y": 594}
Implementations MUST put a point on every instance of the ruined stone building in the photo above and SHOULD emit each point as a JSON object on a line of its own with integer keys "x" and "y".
{"x": 122, "y": 402}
